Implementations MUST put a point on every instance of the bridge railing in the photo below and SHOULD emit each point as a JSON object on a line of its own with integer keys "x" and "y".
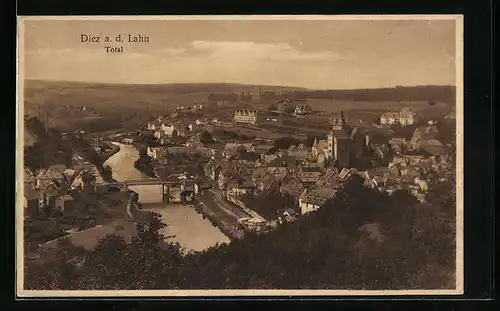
{"x": 158, "y": 182}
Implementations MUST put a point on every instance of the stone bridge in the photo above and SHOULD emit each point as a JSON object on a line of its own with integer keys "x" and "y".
{"x": 151, "y": 191}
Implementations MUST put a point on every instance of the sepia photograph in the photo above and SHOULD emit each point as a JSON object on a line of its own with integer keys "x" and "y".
{"x": 274, "y": 155}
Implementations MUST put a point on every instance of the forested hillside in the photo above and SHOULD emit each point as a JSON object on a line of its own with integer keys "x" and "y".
{"x": 361, "y": 240}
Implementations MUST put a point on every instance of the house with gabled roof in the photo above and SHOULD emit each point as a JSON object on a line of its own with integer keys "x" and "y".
{"x": 288, "y": 162}
{"x": 45, "y": 177}
{"x": 309, "y": 177}
{"x": 292, "y": 186}
{"x": 299, "y": 151}
{"x": 238, "y": 186}
{"x": 33, "y": 201}
{"x": 319, "y": 147}
{"x": 262, "y": 148}
{"x": 156, "y": 152}
{"x": 423, "y": 134}
{"x": 302, "y": 109}
{"x": 313, "y": 199}
{"x": 229, "y": 171}
{"x": 28, "y": 179}
{"x": 212, "y": 169}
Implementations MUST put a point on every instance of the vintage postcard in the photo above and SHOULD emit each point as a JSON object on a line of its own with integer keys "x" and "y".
{"x": 239, "y": 155}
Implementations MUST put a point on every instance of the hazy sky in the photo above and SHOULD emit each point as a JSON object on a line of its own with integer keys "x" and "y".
{"x": 322, "y": 54}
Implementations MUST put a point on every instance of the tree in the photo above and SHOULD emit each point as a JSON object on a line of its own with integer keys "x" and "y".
{"x": 107, "y": 172}
{"x": 206, "y": 138}
{"x": 361, "y": 239}
{"x": 286, "y": 142}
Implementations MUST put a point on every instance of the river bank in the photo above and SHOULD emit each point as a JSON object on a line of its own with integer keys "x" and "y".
{"x": 104, "y": 170}
{"x": 184, "y": 224}
{"x": 227, "y": 227}
{"x": 113, "y": 149}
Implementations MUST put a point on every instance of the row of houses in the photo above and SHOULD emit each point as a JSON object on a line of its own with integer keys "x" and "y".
{"x": 313, "y": 187}
{"x": 424, "y": 140}
{"x": 50, "y": 188}
{"x": 164, "y": 128}
{"x": 414, "y": 164}
{"x": 325, "y": 189}
{"x": 56, "y": 193}
{"x": 342, "y": 145}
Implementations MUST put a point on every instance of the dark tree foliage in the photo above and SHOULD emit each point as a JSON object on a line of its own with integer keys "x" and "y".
{"x": 248, "y": 156}
{"x": 145, "y": 165}
{"x": 206, "y": 138}
{"x": 414, "y": 93}
{"x": 362, "y": 239}
{"x": 268, "y": 203}
{"x": 107, "y": 172}
{"x": 49, "y": 148}
{"x": 224, "y": 134}
{"x": 286, "y": 142}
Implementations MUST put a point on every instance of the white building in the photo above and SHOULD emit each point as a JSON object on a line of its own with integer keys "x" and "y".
{"x": 155, "y": 152}
{"x": 152, "y": 126}
{"x": 167, "y": 129}
{"x": 246, "y": 116}
{"x": 404, "y": 117}
{"x": 313, "y": 199}
{"x": 302, "y": 109}
{"x": 164, "y": 130}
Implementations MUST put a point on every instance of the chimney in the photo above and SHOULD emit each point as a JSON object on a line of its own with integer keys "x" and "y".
{"x": 342, "y": 115}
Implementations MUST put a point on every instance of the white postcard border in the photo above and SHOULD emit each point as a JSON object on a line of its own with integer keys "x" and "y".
{"x": 459, "y": 290}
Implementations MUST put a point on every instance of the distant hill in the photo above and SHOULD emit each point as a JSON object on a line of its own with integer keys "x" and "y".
{"x": 112, "y": 105}
{"x": 101, "y": 106}
{"x": 171, "y": 88}
{"x": 445, "y": 94}
{"x": 442, "y": 93}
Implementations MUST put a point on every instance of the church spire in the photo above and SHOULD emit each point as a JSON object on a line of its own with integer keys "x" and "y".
{"x": 339, "y": 122}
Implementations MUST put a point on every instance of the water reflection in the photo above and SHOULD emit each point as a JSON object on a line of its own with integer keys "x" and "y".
{"x": 185, "y": 225}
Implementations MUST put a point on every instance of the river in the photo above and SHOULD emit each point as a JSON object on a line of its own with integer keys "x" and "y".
{"x": 187, "y": 227}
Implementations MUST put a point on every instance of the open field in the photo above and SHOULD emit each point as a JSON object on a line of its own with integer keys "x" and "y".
{"x": 66, "y": 105}
{"x": 332, "y": 106}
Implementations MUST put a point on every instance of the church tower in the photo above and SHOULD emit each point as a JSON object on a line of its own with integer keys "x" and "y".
{"x": 338, "y": 132}
{"x": 339, "y": 123}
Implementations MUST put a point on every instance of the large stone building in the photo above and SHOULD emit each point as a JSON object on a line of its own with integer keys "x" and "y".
{"x": 339, "y": 142}
{"x": 302, "y": 109}
{"x": 246, "y": 116}
{"x": 344, "y": 142}
{"x": 404, "y": 117}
